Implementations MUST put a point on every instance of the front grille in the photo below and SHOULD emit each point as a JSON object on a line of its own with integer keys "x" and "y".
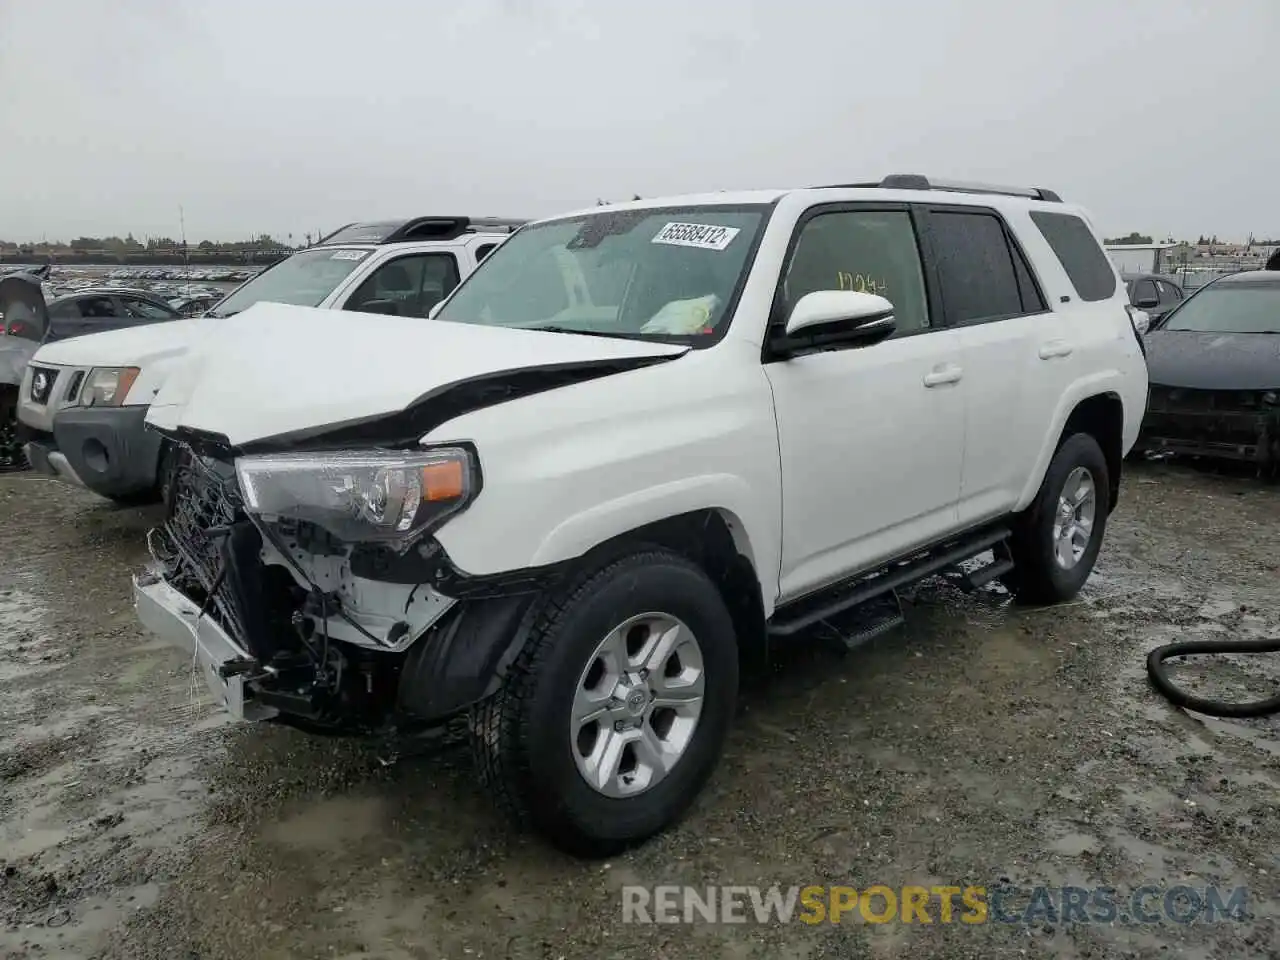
{"x": 1185, "y": 400}
{"x": 73, "y": 388}
{"x": 192, "y": 543}
{"x": 42, "y": 381}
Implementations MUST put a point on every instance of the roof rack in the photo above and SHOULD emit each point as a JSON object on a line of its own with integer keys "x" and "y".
{"x": 418, "y": 228}
{"x": 916, "y": 181}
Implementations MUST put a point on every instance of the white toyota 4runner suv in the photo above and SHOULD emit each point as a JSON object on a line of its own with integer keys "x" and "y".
{"x": 641, "y": 443}
{"x": 83, "y": 401}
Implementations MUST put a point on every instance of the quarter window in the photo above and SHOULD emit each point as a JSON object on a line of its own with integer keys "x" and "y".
{"x": 1076, "y": 248}
{"x": 869, "y": 251}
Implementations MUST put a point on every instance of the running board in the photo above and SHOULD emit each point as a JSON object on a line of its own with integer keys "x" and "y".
{"x": 852, "y": 628}
{"x": 801, "y": 614}
{"x": 974, "y": 579}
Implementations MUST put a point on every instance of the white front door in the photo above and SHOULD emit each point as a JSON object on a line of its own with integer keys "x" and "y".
{"x": 871, "y": 438}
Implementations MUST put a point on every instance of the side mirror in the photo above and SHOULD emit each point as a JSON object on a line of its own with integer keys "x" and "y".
{"x": 388, "y": 307}
{"x": 1147, "y": 303}
{"x": 840, "y": 317}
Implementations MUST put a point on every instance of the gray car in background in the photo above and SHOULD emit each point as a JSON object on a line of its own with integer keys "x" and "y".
{"x": 1153, "y": 294}
{"x": 27, "y": 322}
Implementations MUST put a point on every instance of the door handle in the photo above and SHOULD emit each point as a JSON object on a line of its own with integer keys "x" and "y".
{"x": 940, "y": 375}
{"x": 1055, "y": 348}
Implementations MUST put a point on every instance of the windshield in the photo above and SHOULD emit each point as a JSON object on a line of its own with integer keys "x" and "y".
{"x": 661, "y": 273}
{"x": 1230, "y": 308}
{"x": 303, "y": 280}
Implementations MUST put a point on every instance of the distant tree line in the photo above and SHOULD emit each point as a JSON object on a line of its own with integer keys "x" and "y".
{"x": 128, "y": 245}
{"x": 1134, "y": 237}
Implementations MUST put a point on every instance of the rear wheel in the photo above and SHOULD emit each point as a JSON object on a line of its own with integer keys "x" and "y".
{"x": 1056, "y": 540}
{"x": 615, "y": 711}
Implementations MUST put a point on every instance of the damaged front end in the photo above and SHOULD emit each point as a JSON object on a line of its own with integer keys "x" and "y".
{"x": 1240, "y": 425}
{"x": 311, "y": 592}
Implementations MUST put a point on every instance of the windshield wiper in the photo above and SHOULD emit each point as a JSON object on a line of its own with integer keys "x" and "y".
{"x": 588, "y": 333}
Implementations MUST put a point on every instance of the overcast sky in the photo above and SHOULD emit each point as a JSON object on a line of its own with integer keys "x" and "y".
{"x": 284, "y": 116}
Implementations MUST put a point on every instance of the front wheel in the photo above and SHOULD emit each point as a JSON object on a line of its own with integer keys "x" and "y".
{"x": 1056, "y": 540}
{"x": 614, "y": 713}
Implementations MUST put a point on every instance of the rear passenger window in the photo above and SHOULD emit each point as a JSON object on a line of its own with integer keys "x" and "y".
{"x": 1076, "y": 248}
{"x": 871, "y": 251}
{"x": 975, "y": 266}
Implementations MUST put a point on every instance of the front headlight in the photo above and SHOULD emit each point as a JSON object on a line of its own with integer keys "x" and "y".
{"x": 383, "y": 496}
{"x": 107, "y": 386}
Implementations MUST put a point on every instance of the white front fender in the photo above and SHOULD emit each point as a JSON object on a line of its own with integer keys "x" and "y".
{"x": 568, "y": 469}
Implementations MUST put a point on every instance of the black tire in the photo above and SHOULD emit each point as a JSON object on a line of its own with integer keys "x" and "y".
{"x": 12, "y": 458}
{"x": 521, "y": 738}
{"x": 162, "y": 492}
{"x": 166, "y": 475}
{"x": 1037, "y": 578}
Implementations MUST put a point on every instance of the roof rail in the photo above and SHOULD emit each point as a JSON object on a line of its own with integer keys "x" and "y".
{"x": 916, "y": 181}
{"x": 418, "y": 228}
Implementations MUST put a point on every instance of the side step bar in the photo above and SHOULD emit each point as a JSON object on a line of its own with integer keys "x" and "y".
{"x": 852, "y": 628}
{"x": 802, "y": 614}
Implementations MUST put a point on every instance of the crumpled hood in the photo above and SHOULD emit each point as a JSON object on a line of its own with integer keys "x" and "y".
{"x": 275, "y": 369}
{"x": 135, "y": 346}
{"x": 1214, "y": 361}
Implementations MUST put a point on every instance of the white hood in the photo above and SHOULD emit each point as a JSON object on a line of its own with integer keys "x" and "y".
{"x": 128, "y": 347}
{"x": 274, "y": 369}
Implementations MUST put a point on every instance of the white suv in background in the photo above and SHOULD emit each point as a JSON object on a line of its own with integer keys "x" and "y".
{"x": 82, "y": 402}
{"x": 641, "y": 443}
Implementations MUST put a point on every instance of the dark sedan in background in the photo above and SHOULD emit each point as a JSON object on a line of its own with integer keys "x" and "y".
{"x": 1214, "y": 366}
{"x": 1154, "y": 295}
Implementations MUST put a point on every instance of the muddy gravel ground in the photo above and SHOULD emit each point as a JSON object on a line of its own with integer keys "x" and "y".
{"x": 979, "y": 744}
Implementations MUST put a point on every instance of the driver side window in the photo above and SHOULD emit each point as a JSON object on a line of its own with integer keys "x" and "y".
{"x": 413, "y": 284}
{"x": 141, "y": 310}
{"x": 868, "y": 251}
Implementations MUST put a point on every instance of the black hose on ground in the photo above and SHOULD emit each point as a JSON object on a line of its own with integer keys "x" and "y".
{"x": 1159, "y": 675}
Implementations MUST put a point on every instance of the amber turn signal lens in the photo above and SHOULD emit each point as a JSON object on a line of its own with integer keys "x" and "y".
{"x": 443, "y": 481}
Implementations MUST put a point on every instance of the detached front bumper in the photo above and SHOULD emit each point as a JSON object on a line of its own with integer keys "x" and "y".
{"x": 1229, "y": 425}
{"x": 107, "y": 449}
{"x": 172, "y": 617}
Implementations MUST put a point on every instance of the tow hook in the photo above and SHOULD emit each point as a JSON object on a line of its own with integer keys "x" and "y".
{"x": 237, "y": 667}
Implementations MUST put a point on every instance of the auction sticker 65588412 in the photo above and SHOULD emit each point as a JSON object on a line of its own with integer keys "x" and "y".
{"x": 705, "y": 235}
